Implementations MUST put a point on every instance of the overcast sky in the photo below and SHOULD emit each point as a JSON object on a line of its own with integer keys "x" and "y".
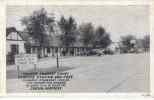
{"x": 117, "y": 20}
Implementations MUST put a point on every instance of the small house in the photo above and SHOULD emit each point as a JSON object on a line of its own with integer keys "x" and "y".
{"x": 15, "y": 43}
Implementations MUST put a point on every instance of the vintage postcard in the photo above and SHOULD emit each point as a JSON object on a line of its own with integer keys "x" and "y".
{"x": 101, "y": 48}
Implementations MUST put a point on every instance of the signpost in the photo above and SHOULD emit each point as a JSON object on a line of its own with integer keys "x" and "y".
{"x": 25, "y": 59}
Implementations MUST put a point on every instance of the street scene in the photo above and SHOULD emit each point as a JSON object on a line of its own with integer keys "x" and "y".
{"x": 67, "y": 49}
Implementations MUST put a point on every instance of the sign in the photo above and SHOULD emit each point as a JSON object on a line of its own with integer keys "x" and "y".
{"x": 23, "y": 59}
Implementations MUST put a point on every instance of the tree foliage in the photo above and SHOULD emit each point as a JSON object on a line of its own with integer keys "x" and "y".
{"x": 69, "y": 29}
{"x": 38, "y": 24}
{"x": 146, "y": 42}
{"x": 87, "y": 34}
{"x": 102, "y": 39}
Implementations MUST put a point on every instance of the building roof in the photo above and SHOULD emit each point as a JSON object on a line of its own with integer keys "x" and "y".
{"x": 13, "y": 29}
{"x": 9, "y": 30}
{"x": 23, "y": 35}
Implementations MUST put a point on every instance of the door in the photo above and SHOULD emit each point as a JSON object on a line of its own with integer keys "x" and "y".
{"x": 14, "y": 49}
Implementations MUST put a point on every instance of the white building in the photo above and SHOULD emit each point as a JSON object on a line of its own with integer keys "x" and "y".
{"x": 15, "y": 43}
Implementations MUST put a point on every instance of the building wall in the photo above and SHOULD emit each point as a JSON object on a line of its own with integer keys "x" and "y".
{"x": 19, "y": 43}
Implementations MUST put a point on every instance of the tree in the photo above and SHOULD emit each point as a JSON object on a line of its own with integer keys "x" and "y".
{"x": 128, "y": 43}
{"x": 69, "y": 29}
{"x": 37, "y": 26}
{"x": 146, "y": 42}
{"x": 102, "y": 39}
{"x": 87, "y": 34}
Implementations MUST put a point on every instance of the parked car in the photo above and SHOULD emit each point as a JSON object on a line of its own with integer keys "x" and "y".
{"x": 94, "y": 52}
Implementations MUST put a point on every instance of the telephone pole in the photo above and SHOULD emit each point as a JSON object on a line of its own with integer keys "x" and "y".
{"x": 57, "y": 59}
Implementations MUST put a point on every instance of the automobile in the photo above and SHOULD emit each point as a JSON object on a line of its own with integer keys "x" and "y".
{"x": 94, "y": 52}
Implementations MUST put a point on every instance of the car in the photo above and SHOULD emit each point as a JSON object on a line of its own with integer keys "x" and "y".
{"x": 94, "y": 52}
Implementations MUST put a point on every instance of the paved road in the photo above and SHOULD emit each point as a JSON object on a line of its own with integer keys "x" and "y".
{"x": 116, "y": 73}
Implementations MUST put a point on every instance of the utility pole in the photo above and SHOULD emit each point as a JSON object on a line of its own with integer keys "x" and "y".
{"x": 56, "y": 32}
{"x": 57, "y": 59}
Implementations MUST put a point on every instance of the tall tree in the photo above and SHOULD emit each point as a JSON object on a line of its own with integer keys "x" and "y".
{"x": 69, "y": 30}
{"x": 146, "y": 42}
{"x": 102, "y": 39}
{"x": 87, "y": 34}
{"x": 37, "y": 25}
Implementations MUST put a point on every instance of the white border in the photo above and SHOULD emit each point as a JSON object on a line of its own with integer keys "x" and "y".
{"x": 5, "y": 3}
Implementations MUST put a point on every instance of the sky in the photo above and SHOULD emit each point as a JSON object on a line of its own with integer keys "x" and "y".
{"x": 118, "y": 20}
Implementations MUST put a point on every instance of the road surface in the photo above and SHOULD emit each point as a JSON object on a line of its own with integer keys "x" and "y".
{"x": 110, "y": 73}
